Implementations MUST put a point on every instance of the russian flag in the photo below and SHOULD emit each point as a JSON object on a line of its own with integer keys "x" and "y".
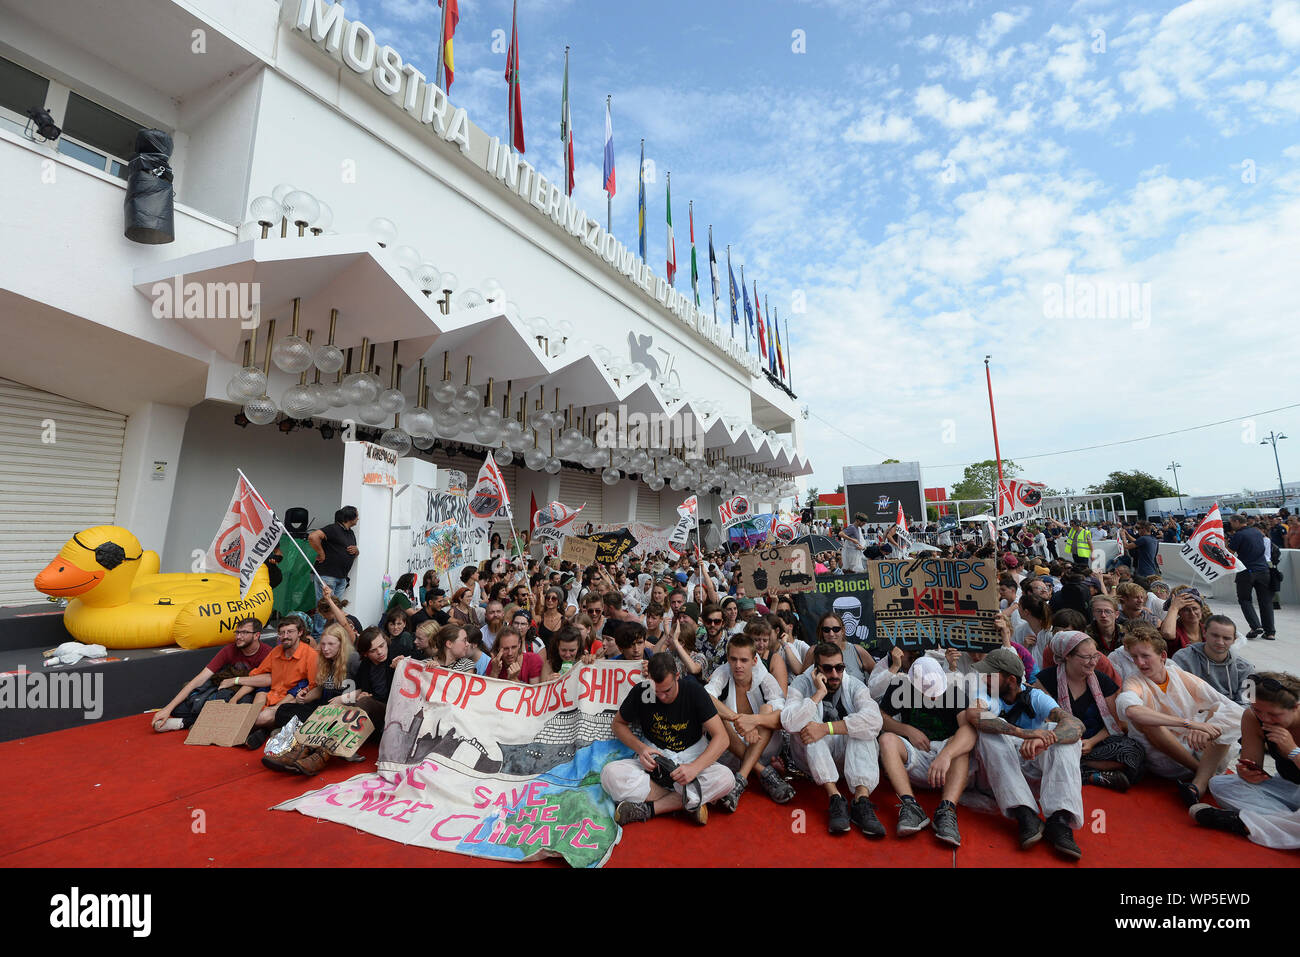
{"x": 609, "y": 152}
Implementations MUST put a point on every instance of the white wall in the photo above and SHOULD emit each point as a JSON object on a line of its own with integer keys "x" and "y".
{"x": 220, "y": 124}
{"x": 154, "y": 433}
{"x": 295, "y": 469}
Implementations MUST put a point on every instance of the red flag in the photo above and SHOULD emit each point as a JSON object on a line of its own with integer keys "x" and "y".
{"x": 516, "y": 106}
{"x": 448, "y": 62}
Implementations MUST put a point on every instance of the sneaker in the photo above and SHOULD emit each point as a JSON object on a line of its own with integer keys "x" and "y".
{"x": 839, "y": 815}
{"x": 777, "y": 787}
{"x": 1031, "y": 826}
{"x": 1207, "y": 815}
{"x": 1114, "y": 780}
{"x": 1254, "y": 633}
{"x": 1268, "y": 637}
{"x": 256, "y": 738}
{"x": 910, "y": 817}
{"x": 945, "y": 824}
{"x": 863, "y": 814}
{"x": 699, "y": 814}
{"x": 632, "y": 812}
{"x": 1060, "y": 836}
{"x": 729, "y": 802}
{"x": 172, "y": 724}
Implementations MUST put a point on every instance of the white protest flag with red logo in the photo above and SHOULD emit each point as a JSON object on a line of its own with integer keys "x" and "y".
{"x": 1018, "y": 503}
{"x": 489, "y": 498}
{"x": 1207, "y": 551}
{"x": 687, "y": 518}
{"x": 246, "y": 537}
{"x": 901, "y": 520}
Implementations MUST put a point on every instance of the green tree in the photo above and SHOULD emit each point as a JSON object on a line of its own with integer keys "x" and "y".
{"x": 1136, "y": 487}
{"x": 890, "y": 462}
{"x": 980, "y": 479}
{"x": 812, "y": 495}
{"x": 839, "y": 489}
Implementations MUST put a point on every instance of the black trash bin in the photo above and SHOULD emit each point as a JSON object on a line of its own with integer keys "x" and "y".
{"x": 147, "y": 209}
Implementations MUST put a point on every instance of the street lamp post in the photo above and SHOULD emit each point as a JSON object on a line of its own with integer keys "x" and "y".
{"x": 1174, "y": 467}
{"x": 1273, "y": 440}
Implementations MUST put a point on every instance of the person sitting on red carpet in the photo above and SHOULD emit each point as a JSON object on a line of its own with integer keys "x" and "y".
{"x": 749, "y": 701}
{"x": 237, "y": 659}
{"x": 834, "y": 724}
{"x": 290, "y": 668}
{"x": 1163, "y": 707}
{"x": 676, "y": 758}
{"x": 1256, "y": 805}
{"x": 927, "y": 742}
{"x": 1024, "y": 733}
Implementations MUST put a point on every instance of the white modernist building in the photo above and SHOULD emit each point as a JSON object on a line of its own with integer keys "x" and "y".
{"x": 115, "y": 401}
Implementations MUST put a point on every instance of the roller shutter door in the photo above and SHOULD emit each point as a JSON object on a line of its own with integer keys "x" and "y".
{"x": 647, "y": 505}
{"x": 51, "y": 490}
{"x": 579, "y": 487}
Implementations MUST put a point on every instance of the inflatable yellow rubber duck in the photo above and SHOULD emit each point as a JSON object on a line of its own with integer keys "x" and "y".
{"x": 119, "y": 599}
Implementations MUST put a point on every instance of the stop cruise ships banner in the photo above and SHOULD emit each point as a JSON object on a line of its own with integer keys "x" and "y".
{"x": 491, "y": 768}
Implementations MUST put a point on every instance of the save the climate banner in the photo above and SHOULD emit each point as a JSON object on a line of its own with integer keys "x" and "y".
{"x": 491, "y": 768}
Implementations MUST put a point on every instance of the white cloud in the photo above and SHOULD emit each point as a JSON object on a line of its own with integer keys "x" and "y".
{"x": 1285, "y": 19}
{"x": 952, "y": 111}
{"x": 877, "y": 126}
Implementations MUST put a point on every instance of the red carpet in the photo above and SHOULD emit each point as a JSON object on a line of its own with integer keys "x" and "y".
{"x": 117, "y": 794}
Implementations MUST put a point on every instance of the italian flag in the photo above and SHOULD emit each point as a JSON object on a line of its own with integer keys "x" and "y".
{"x": 672, "y": 247}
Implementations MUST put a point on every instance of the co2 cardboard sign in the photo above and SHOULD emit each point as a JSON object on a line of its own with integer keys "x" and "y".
{"x": 778, "y": 570}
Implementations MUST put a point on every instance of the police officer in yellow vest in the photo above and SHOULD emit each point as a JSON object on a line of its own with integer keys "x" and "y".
{"x": 1079, "y": 541}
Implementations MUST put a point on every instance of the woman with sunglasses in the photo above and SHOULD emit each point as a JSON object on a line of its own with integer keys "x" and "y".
{"x": 1257, "y": 805}
{"x": 857, "y": 660}
{"x": 551, "y": 621}
{"x": 1109, "y": 758}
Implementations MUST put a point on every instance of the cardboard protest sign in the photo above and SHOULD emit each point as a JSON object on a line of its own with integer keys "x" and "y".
{"x": 222, "y": 723}
{"x": 491, "y": 768}
{"x": 848, "y": 596}
{"x": 337, "y": 728}
{"x": 778, "y": 570}
{"x": 578, "y": 550}
{"x": 1207, "y": 551}
{"x": 444, "y": 541}
{"x": 936, "y": 603}
{"x": 611, "y": 546}
{"x": 1018, "y": 503}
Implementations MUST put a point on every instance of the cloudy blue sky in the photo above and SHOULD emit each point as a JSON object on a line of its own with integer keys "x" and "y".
{"x": 933, "y": 181}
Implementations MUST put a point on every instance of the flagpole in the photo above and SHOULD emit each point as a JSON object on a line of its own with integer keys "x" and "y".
{"x": 731, "y": 288}
{"x": 609, "y": 200}
{"x": 672, "y": 247}
{"x": 789, "y": 359}
{"x": 712, "y": 287}
{"x": 771, "y": 345}
{"x": 310, "y": 564}
{"x": 439, "y": 78}
{"x": 514, "y": 75}
{"x": 564, "y": 140}
{"x": 994, "y": 417}
{"x": 744, "y": 321}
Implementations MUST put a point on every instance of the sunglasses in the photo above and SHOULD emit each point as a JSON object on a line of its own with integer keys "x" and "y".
{"x": 713, "y": 621}
{"x": 831, "y": 629}
{"x": 831, "y": 669}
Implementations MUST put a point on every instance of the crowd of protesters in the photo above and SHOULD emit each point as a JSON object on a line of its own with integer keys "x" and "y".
{"x": 1104, "y": 674}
